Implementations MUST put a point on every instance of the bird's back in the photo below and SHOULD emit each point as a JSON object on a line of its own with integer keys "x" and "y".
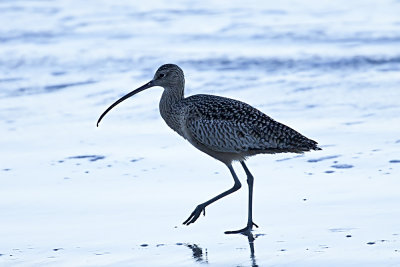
{"x": 230, "y": 126}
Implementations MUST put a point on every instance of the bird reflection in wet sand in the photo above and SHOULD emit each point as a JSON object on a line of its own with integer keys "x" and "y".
{"x": 198, "y": 253}
{"x": 201, "y": 255}
{"x": 226, "y": 129}
{"x": 251, "y": 239}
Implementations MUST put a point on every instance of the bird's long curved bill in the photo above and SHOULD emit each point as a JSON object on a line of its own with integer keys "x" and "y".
{"x": 141, "y": 88}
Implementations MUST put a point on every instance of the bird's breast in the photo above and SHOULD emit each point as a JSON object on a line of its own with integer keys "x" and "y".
{"x": 173, "y": 118}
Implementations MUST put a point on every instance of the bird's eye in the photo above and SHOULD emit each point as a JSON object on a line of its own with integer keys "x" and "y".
{"x": 161, "y": 75}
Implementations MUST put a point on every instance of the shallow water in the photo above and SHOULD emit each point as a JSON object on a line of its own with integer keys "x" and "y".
{"x": 72, "y": 194}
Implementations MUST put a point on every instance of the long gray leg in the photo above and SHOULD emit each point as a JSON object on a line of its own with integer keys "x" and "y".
{"x": 202, "y": 207}
{"x": 250, "y": 223}
{"x": 250, "y": 183}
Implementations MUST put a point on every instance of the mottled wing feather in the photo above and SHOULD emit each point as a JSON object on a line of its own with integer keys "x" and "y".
{"x": 222, "y": 135}
{"x": 227, "y": 125}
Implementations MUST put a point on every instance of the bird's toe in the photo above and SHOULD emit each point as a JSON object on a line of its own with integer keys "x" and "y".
{"x": 245, "y": 231}
{"x": 195, "y": 214}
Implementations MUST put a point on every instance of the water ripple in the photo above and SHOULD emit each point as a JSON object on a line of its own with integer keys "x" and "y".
{"x": 274, "y": 64}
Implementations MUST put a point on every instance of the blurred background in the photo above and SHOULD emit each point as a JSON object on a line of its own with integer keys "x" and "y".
{"x": 76, "y": 195}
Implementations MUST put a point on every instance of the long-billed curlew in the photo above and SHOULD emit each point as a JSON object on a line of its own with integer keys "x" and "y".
{"x": 226, "y": 129}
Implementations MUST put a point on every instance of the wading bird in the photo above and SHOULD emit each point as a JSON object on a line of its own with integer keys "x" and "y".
{"x": 226, "y": 129}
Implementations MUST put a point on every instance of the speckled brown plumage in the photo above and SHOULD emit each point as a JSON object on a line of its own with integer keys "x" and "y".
{"x": 225, "y": 128}
{"x": 228, "y": 125}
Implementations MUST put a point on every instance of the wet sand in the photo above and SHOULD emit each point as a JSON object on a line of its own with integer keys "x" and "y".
{"x": 72, "y": 194}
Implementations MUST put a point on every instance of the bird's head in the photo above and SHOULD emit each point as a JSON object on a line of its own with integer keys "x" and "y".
{"x": 168, "y": 76}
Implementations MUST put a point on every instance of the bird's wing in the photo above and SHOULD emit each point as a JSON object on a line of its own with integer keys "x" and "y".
{"x": 228, "y": 125}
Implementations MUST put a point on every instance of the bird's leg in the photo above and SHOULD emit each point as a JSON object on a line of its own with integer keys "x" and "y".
{"x": 250, "y": 181}
{"x": 202, "y": 207}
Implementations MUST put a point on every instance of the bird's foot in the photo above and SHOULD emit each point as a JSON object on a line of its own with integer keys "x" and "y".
{"x": 195, "y": 214}
{"x": 245, "y": 231}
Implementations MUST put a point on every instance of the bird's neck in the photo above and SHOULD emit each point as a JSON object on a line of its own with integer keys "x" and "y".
{"x": 169, "y": 109}
{"x": 170, "y": 97}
